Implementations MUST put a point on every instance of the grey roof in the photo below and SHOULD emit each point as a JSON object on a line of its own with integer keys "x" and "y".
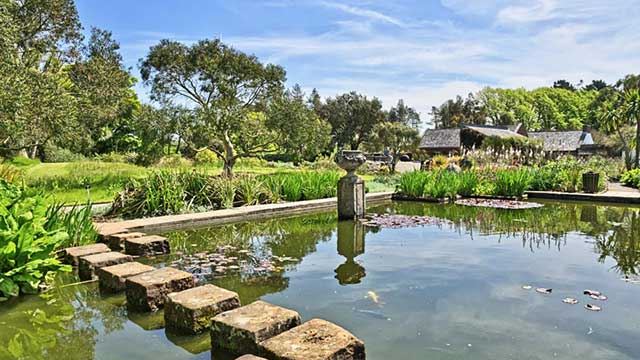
{"x": 440, "y": 139}
{"x": 494, "y": 131}
{"x": 562, "y": 140}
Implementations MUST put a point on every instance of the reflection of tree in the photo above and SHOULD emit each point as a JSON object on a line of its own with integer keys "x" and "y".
{"x": 615, "y": 228}
{"x": 623, "y": 245}
{"x": 45, "y": 326}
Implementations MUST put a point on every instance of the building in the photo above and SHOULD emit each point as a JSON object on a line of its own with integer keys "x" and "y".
{"x": 452, "y": 141}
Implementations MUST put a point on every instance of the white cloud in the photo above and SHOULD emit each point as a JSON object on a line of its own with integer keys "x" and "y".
{"x": 363, "y": 13}
{"x": 537, "y": 10}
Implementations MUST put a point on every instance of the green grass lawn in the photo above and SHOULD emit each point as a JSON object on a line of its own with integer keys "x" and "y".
{"x": 67, "y": 182}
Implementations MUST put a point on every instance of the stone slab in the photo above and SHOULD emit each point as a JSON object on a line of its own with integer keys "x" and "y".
{"x": 225, "y": 216}
{"x": 241, "y": 330}
{"x": 147, "y": 245}
{"x": 72, "y": 255}
{"x": 314, "y": 340}
{"x": 190, "y": 311}
{"x": 148, "y": 291}
{"x": 250, "y": 357}
{"x": 116, "y": 241}
{"x": 89, "y": 264}
{"x": 112, "y": 278}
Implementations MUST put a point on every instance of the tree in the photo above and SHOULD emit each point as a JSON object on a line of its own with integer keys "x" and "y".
{"x": 37, "y": 37}
{"x": 596, "y": 85}
{"x": 301, "y": 133}
{"x": 405, "y": 115}
{"x": 352, "y": 117}
{"x": 564, "y": 84}
{"x": 458, "y": 111}
{"x": 104, "y": 91}
{"x": 226, "y": 87}
{"x": 396, "y": 138}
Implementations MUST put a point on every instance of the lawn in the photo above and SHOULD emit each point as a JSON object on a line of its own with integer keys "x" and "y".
{"x": 96, "y": 181}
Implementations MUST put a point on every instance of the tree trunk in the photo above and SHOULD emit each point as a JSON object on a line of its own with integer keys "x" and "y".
{"x": 229, "y": 159}
{"x": 34, "y": 151}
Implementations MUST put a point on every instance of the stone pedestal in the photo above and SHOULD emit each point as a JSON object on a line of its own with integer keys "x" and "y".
{"x": 351, "y": 199}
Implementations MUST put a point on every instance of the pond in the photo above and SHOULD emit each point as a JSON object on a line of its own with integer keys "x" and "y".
{"x": 451, "y": 289}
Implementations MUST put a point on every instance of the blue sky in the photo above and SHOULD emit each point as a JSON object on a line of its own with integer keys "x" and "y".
{"x": 422, "y": 51}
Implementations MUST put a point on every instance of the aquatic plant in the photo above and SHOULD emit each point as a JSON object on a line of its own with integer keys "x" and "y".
{"x": 75, "y": 221}
{"x": 26, "y": 245}
{"x": 512, "y": 182}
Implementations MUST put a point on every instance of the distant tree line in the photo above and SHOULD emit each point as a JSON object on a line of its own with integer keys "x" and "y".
{"x": 612, "y": 110}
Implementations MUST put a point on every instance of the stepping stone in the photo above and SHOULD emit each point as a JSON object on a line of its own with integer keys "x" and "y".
{"x": 190, "y": 311}
{"x": 72, "y": 255}
{"x": 112, "y": 278}
{"x": 241, "y": 330}
{"x": 116, "y": 241}
{"x": 314, "y": 340}
{"x": 250, "y": 357}
{"x": 147, "y": 245}
{"x": 89, "y": 264}
{"x": 148, "y": 291}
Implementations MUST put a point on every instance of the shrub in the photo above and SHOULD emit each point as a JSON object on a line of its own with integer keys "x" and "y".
{"x": 173, "y": 161}
{"x": 631, "y": 178}
{"x": 54, "y": 154}
{"x": 116, "y": 157}
{"x": 250, "y": 190}
{"x": 26, "y": 245}
{"x": 206, "y": 157}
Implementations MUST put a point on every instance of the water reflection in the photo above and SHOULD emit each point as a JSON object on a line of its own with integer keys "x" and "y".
{"x": 351, "y": 236}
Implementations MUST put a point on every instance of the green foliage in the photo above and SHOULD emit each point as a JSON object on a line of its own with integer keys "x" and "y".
{"x": 174, "y": 161}
{"x": 75, "y": 221}
{"x": 22, "y": 161}
{"x": 413, "y": 183}
{"x": 302, "y": 185}
{"x": 206, "y": 157}
{"x": 631, "y": 178}
{"x": 27, "y": 242}
{"x": 512, "y": 182}
{"x": 9, "y": 173}
{"x": 166, "y": 192}
{"x": 55, "y": 154}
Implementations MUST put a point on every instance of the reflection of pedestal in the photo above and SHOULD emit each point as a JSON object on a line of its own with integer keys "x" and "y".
{"x": 351, "y": 200}
{"x": 350, "y": 245}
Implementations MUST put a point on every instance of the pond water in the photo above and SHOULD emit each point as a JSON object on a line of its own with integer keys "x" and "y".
{"x": 449, "y": 290}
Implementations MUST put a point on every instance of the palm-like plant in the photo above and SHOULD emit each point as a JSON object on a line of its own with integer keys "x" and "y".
{"x": 631, "y": 111}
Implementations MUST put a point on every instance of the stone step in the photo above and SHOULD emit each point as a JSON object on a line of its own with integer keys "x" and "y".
{"x": 72, "y": 255}
{"x": 241, "y": 330}
{"x": 148, "y": 291}
{"x": 89, "y": 264}
{"x": 147, "y": 245}
{"x": 316, "y": 339}
{"x": 112, "y": 278}
{"x": 190, "y": 311}
{"x": 116, "y": 241}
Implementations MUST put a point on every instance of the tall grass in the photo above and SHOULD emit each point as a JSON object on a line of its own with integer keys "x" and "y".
{"x": 166, "y": 192}
{"x": 75, "y": 221}
{"x": 512, "y": 182}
